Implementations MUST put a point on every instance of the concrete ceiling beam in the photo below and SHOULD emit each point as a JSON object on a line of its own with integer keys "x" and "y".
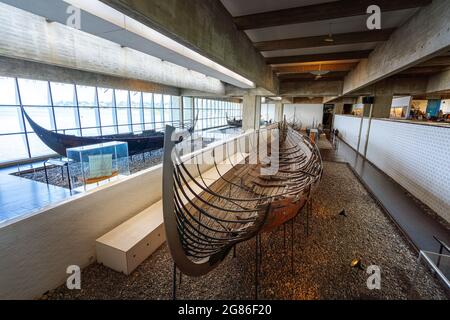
{"x": 322, "y": 11}
{"x": 439, "y": 82}
{"x": 311, "y": 88}
{"x": 207, "y": 28}
{"x": 424, "y": 36}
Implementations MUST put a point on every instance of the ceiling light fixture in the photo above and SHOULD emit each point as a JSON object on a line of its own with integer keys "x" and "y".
{"x": 319, "y": 73}
{"x": 329, "y": 38}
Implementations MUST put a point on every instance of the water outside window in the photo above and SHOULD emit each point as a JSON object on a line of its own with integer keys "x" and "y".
{"x": 93, "y": 111}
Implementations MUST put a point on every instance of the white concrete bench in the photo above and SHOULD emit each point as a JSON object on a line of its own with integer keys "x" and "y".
{"x": 124, "y": 248}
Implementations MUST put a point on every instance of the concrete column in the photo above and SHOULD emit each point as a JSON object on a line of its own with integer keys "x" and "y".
{"x": 279, "y": 111}
{"x": 251, "y": 112}
{"x": 368, "y": 130}
{"x": 338, "y": 108}
{"x": 182, "y": 112}
{"x": 382, "y": 106}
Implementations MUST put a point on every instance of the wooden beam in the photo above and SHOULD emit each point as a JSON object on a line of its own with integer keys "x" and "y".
{"x": 300, "y": 80}
{"x": 320, "y": 57}
{"x": 319, "y": 41}
{"x": 307, "y": 100}
{"x": 291, "y": 77}
{"x": 315, "y": 67}
{"x": 323, "y": 11}
{"x": 311, "y": 88}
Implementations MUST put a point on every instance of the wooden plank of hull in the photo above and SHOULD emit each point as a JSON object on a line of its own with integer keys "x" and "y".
{"x": 99, "y": 179}
{"x": 283, "y": 211}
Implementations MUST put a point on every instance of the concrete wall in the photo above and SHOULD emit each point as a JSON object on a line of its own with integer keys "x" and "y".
{"x": 206, "y": 27}
{"x": 306, "y": 113}
{"x": 279, "y": 111}
{"x": 439, "y": 82}
{"x": 311, "y": 88}
{"x": 10, "y": 67}
{"x": 251, "y": 112}
{"x": 36, "y": 251}
{"x": 424, "y": 35}
{"x": 27, "y": 36}
{"x": 416, "y": 156}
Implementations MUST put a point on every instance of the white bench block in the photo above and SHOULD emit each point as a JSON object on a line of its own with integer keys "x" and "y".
{"x": 124, "y": 248}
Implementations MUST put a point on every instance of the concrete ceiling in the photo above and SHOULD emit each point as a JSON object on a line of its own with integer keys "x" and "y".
{"x": 245, "y": 7}
{"x": 428, "y": 68}
{"x": 350, "y": 24}
{"x": 317, "y": 50}
{"x": 318, "y": 24}
{"x": 102, "y": 21}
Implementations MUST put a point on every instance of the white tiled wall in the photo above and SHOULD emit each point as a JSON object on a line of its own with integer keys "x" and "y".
{"x": 416, "y": 156}
{"x": 307, "y": 114}
{"x": 348, "y": 129}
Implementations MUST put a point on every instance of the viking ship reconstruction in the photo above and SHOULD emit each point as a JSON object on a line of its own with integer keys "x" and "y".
{"x": 234, "y": 122}
{"x": 295, "y": 123}
{"x": 137, "y": 143}
{"x": 206, "y": 213}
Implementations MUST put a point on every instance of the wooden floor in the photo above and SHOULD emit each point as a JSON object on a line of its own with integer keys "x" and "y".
{"x": 418, "y": 225}
{"x": 20, "y": 197}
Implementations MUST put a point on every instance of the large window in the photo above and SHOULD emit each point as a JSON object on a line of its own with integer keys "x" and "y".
{"x": 75, "y": 110}
{"x": 214, "y": 113}
{"x": 268, "y": 112}
{"x": 13, "y": 140}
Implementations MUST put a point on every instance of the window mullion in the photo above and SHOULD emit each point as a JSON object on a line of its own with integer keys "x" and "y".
{"x": 23, "y": 118}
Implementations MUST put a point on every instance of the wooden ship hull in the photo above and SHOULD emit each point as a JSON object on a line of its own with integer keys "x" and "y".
{"x": 204, "y": 221}
{"x": 295, "y": 124}
{"x": 137, "y": 143}
{"x": 234, "y": 123}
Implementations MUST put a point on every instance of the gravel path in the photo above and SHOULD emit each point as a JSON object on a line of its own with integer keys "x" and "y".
{"x": 322, "y": 260}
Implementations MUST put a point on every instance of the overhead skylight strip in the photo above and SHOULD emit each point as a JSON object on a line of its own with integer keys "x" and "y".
{"x": 107, "y": 13}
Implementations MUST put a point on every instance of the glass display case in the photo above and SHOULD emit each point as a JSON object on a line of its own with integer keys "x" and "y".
{"x": 97, "y": 164}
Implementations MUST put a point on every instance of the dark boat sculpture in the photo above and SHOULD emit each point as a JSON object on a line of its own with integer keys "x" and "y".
{"x": 238, "y": 123}
{"x": 137, "y": 143}
{"x": 205, "y": 220}
{"x": 234, "y": 122}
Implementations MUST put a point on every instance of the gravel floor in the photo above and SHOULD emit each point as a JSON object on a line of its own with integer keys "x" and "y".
{"x": 322, "y": 260}
{"x": 58, "y": 178}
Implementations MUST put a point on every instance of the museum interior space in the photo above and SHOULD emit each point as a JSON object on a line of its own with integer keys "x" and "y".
{"x": 225, "y": 150}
